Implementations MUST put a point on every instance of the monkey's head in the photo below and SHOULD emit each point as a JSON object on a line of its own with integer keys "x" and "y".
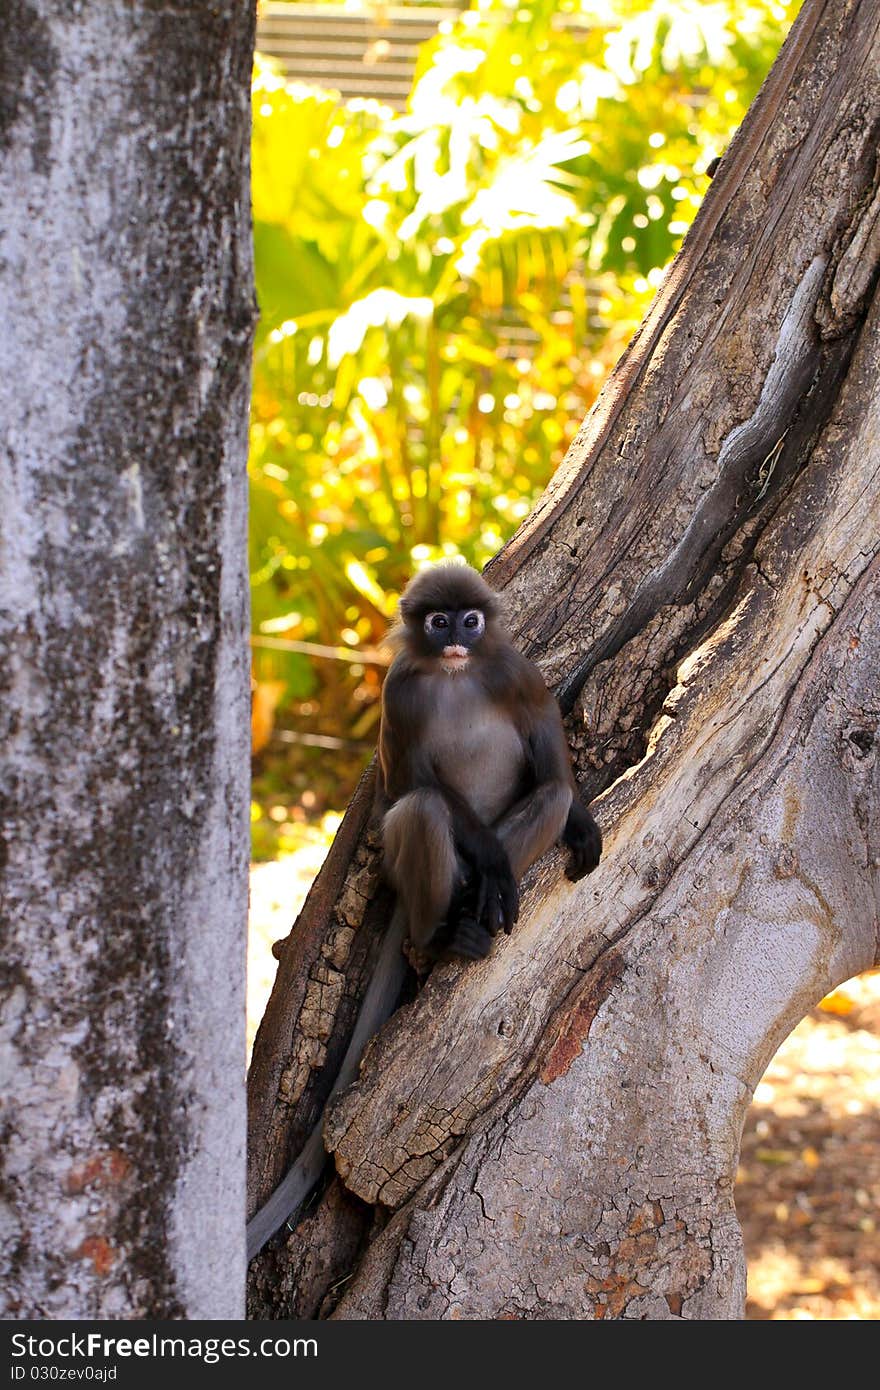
{"x": 448, "y": 615}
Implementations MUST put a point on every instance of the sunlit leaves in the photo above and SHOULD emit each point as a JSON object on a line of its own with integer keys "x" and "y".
{"x": 444, "y": 290}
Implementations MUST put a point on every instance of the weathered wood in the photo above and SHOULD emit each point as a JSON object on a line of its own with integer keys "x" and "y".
{"x": 125, "y": 338}
{"x": 556, "y": 1129}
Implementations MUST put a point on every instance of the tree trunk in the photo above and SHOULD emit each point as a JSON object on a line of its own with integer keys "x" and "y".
{"x": 553, "y": 1133}
{"x": 127, "y": 319}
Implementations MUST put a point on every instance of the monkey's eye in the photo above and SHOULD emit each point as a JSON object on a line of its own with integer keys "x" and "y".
{"x": 474, "y": 622}
{"x": 436, "y": 622}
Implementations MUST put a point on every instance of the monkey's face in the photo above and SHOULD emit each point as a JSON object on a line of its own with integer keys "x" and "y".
{"x": 451, "y": 636}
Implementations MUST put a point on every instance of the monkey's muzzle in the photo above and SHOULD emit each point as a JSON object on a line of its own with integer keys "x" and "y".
{"x": 455, "y": 658}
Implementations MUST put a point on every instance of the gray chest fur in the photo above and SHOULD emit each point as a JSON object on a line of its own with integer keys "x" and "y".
{"x": 476, "y": 749}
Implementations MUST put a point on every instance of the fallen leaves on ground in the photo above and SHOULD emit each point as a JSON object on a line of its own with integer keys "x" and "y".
{"x": 808, "y": 1188}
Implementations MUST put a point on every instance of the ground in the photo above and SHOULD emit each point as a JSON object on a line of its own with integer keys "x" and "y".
{"x": 278, "y": 889}
{"x": 808, "y": 1189}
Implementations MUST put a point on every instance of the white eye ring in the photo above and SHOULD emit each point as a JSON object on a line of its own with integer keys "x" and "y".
{"x": 477, "y": 626}
{"x": 431, "y": 625}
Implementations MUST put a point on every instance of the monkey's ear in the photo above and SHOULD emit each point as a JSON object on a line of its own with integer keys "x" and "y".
{"x": 395, "y": 637}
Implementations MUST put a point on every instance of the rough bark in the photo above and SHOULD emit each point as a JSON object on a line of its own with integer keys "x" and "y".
{"x": 554, "y": 1133}
{"x": 125, "y": 331}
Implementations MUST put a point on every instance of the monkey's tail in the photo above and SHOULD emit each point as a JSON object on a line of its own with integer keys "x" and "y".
{"x": 378, "y": 1004}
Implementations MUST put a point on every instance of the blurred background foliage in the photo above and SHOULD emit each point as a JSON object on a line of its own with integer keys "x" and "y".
{"x": 443, "y": 291}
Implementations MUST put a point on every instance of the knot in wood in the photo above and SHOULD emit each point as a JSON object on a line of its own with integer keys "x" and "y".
{"x": 862, "y": 742}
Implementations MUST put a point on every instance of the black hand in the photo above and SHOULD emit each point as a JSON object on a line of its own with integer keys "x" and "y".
{"x": 497, "y": 898}
{"x": 486, "y": 902}
{"x": 584, "y": 838}
{"x": 470, "y": 940}
{"x": 496, "y": 902}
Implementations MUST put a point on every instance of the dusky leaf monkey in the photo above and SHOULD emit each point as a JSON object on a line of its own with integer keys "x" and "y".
{"x": 474, "y": 784}
{"x": 475, "y": 778}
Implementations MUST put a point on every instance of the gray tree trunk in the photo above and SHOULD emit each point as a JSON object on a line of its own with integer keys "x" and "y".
{"x": 125, "y": 331}
{"x": 553, "y": 1133}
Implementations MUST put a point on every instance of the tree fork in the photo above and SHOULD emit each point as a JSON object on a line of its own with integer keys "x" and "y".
{"x": 554, "y": 1133}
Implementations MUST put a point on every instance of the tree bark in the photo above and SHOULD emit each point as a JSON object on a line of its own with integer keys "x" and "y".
{"x": 554, "y": 1133}
{"x": 127, "y": 316}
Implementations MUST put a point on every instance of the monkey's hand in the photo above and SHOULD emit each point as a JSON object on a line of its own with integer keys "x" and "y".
{"x": 491, "y": 897}
{"x": 584, "y": 838}
{"x": 497, "y": 893}
{"x": 488, "y": 901}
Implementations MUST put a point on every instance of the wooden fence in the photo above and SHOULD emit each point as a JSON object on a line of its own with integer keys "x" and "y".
{"x": 368, "y": 53}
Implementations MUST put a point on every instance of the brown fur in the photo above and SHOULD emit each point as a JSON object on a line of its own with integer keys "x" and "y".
{"x": 420, "y": 860}
{"x": 466, "y": 759}
{"x": 535, "y": 823}
{"x": 448, "y": 585}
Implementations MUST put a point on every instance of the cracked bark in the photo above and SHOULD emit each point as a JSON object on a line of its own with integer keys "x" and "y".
{"x": 553, "y": 1133}
{"x": 126, "y": 317}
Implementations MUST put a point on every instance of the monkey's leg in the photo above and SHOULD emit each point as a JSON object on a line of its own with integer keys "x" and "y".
{"x": 482, "y": 905}
{"x": 465, "y": 935}
{"x": 526, "y": 831}
{"x": 489, "y": 901}
{"x": 533, "y": 824}
{"x": 421, "y": 861}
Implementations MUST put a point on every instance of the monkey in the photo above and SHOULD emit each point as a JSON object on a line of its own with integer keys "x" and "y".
{"x": 474, "y": 783}
{"x": 474, "y": 775}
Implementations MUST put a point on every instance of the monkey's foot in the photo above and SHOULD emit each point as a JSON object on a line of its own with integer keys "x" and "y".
{"x": 470, "y": 940}
{"x": 422, "y": 962}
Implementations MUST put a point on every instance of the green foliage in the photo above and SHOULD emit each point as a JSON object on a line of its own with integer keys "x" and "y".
{"x": 443, "y": 291}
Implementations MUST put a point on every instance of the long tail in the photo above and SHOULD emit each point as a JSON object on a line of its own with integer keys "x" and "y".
{"x": 378, "y": 1004}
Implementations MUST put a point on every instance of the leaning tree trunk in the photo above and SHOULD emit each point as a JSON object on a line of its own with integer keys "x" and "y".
{"x": 553, "y": 1133}
{"x": 125, "y": 332}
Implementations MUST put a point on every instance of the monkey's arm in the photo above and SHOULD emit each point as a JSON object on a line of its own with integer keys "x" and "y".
{"x": 552, "y": 809}
{"x": 378, "y": 1004}
{"x": 580, "y": 834}
{"x": 584, "y": 838}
